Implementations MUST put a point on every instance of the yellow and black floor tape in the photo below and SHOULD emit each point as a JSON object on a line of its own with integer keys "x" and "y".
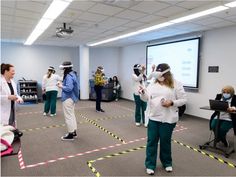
{"x": 81, "y": 122}
{"x": 113, "y": 117}
{"x": 103, "y": 129}
{"x": 97, "y": 174}
{"x": 205, "y": 153}
{"x": 46, "y": 127}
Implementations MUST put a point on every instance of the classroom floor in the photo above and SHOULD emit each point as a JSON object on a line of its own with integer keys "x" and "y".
{"x": 108, "y": 144}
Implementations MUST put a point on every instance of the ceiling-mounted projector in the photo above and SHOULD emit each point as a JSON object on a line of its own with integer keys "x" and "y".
{"x": 63, "y": 31}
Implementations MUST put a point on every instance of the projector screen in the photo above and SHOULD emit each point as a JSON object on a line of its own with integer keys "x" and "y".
{"x": 182, "y": 57}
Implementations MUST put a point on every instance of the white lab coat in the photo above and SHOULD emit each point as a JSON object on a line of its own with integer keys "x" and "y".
{"x": 5, "y": 102}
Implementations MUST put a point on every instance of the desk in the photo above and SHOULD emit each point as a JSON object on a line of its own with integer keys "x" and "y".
{"x": 227, "y": 151}
{"x": 107, "y": 92}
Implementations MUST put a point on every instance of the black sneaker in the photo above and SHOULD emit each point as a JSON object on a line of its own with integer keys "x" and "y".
{"x": 74, "y": 134}
{"x": 68, "y": 137}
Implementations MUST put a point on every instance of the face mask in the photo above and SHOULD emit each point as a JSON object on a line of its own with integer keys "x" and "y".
{"x": 226, "y": 95}
{"x": 161, "y": 79}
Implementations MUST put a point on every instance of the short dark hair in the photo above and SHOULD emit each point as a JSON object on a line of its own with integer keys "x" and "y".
{"x": 5, "y": 67}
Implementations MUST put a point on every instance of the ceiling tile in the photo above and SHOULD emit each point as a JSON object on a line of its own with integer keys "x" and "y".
{"x": 7, "y": 3}
{"x": 92, "y": 17}
{"x": 7, "y": 18}
{"x": 62, "y": 20}
{"x": 134, "y": 24}
{"x": 121, "y": 29}
{"x": 32, "y": 6}
{"x": 226, "y": 13}
{"x": 186, "y": 26}
{"x": 231, "y": 18}
{"x": 28, "y": 14}
{"x": 222, "y": 24}
{"x": 83, "y": 23}
{"x": 170, "y": 11}
{"x": 113, "y": 22}
{"x": 207, "y": 20}
{"x": 150, "y": 19}
{"x": 122, "y": 3}
{"x": 105, "y": 9}
{"x": 25, "y": 20}
{"x": 150, "y": 6}
{"x": 171, "y": 2}
{"x": 194, "y": 4}
{"x": 96, "y": 30}
{"x": 131, "y": 14}
{"x": 7, "y": 11}
{"x": 71, "y": 13}
{"x": 83, "y": 5}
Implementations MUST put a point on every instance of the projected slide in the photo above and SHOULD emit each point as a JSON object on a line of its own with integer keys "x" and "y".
{"x": 182, "y": 57}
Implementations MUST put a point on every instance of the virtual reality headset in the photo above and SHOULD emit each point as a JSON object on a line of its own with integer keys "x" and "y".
{"x": 66, "y": 64}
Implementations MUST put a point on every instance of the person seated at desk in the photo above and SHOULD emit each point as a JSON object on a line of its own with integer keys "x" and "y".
{"x": 116, "y": 88}
{"x": 226, "y": 118}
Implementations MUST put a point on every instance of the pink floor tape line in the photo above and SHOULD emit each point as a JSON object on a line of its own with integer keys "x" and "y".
{"x": 21, "y": 161}
{"x": 23, "y": 166}
{"x": 75, "y": 155}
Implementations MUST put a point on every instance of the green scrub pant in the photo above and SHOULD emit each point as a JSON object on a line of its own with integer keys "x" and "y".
{"x": 163, "y": 131}
{"x": 225, "y": 126}
{"x": 140, "y": 108}
{"x": 51, "y": 101}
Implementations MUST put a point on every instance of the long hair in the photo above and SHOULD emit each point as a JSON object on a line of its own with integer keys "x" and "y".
{"x": 169, "y": 80}
{"x": 67, "y": 71}
{"x": 50, "y": 72}
{"x": 5, "y": 67}
{"x": 117, "y": 81}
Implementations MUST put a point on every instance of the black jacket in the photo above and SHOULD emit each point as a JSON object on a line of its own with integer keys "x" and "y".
{"x": 233, "y": 116}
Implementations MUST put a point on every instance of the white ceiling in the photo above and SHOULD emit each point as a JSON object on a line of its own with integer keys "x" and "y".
{"x": 95, "y": 20}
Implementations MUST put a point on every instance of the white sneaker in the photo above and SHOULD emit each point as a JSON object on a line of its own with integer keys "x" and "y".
{"x": 169, "y": 169}
{"x": 149, "y": 171}
{"x": 137, "y": 124}
{"x": 52, "y": 115}
{"x": 44, "y": 114}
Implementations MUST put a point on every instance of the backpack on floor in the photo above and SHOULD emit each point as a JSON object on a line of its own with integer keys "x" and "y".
{"x": 10, "y": 140}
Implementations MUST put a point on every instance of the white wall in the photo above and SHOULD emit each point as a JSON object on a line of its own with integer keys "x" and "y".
{"x": 130, "y": 56}
{"x": 106, "y": 57}
{"x": 32, "y": 62}
{"x": 218, "y": 49}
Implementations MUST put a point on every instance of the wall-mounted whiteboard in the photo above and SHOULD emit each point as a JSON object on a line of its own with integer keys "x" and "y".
{"x": 182, "y": 57}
